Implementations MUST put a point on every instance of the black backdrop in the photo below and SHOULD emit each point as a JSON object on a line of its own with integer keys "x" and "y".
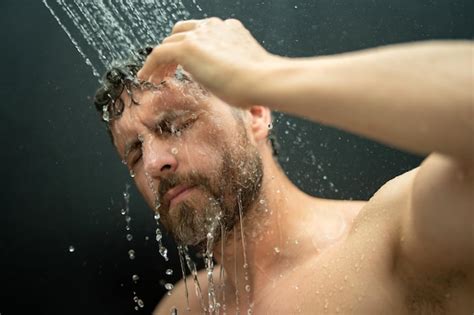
{"x": 62, "y": 183}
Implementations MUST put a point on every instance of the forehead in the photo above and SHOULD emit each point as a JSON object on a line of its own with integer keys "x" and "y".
{"x": 171, "y": 98}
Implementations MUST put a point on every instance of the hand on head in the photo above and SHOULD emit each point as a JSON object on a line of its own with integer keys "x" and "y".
{"x": 221, "y": 55}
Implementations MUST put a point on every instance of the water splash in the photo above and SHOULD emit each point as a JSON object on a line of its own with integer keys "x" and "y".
{"x": 209, "y": 263}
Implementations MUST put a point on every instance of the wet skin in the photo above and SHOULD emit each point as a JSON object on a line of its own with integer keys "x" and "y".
{"x": 359, "y": 271}
{"x": 333, "y": 256}
{"x": 408, "y": 250}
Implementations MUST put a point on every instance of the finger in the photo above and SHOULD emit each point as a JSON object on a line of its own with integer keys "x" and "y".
{"x": 161, "y": 72}
{"x": 233, "y": 22}
{"x": 174, "y": 38}
{"x": 161, "y": 55}
{"x": 185, "y": 26}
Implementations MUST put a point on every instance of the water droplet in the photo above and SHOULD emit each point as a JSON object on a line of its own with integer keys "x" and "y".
{"x": 140, "y": 303}
{"x": 129, "y": 237}
{"x": 105, "y": 113}
{"x": 277, "y": 250}
{"x": 247, "y": 288}
{"x": 135, "y": 278}
{"x": 169, "y": 272}
{"x": 132, "y": 174}
{"x": 131, "y": 254}
{"x": 128, "y": 219}
{"x": 159, "y": 236}
{"x": 168, "y": 286}
{"x": 270, "y": 126}
{"x": 262, "y": 201}
{"x": 122, "y": 211}
{"x": 71, "y": 249}
{"x": 174, "y": 151}
{"x": 157, "y": 216}
{"x": 164, "y": 252}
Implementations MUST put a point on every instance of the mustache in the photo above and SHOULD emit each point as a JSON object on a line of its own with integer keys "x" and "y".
{"x": 191, "y": 179}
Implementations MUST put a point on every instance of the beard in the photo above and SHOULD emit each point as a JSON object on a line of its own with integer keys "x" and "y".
{"x": 214, "y": 203}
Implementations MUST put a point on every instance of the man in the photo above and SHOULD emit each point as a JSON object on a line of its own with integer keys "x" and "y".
{"x": 207, "y": 168}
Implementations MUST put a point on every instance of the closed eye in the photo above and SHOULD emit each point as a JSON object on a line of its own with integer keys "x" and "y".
{"x": 134, "y": 154}
{"x": 173, "y": 128}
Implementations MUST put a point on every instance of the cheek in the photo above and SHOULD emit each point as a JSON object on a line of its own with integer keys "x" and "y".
{"x": 202, "y": 150}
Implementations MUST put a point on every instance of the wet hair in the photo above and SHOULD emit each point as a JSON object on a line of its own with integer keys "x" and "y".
{"x": 122, "y": 76}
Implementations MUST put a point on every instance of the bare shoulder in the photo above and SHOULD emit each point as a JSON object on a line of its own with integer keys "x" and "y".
{"x": 437, "y": 224}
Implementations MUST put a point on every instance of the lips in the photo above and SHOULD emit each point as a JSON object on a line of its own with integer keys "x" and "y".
{"x": 175, "y": 192}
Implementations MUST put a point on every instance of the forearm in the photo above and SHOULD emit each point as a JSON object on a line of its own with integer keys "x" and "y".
{"x": 416, "y": 97}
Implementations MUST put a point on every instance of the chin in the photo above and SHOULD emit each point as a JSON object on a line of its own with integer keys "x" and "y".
{"x": 193, "y": 221}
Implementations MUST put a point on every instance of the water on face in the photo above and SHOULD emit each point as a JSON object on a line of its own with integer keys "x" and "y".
{"x": 113, "y": 29}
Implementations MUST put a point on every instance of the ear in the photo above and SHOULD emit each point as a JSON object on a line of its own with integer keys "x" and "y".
{"x": 260, "y": 122}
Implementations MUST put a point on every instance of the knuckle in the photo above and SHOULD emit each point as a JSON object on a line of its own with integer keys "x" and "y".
{"x": 188, "y": 45}
{"x": 214, "y": 20}
{"x": 233, "y": 22}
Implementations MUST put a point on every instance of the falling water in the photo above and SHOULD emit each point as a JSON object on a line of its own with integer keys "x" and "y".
{"x": 131, "y": 253}
{"x": 126, "y": 212}
{"x": 106, "y": 30}
{"x": 159, "y": 236}
{"x": 209, "y": 264}
{"x": 73, "y": 41}
{"x": 246, "y": 265}
{"x": 192, "y": 268}
{"x": 221, "y": 275}
{"x": 183, "y": 272}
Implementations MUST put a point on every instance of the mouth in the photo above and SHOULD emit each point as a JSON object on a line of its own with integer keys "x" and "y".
{"x": 177, "y": 194}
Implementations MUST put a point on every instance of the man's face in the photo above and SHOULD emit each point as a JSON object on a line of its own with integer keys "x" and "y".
{"x": 192, "y": 158}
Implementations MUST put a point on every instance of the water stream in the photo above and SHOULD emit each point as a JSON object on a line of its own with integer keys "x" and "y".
{"x": 106, "y": 30}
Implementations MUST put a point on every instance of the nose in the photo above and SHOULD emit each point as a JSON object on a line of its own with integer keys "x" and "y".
{"x": 158, "y": 158}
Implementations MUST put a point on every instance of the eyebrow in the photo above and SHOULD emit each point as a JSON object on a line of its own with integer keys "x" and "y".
{"x": 166, "y": 115}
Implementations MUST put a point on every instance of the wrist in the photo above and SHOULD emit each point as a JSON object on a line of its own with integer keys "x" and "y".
{"x": 259, "y": 84}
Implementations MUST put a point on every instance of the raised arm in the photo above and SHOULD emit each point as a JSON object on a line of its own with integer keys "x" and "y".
{"x": 417, "y": 97}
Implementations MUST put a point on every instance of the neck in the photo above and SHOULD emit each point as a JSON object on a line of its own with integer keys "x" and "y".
{"x": 270, "y": 239}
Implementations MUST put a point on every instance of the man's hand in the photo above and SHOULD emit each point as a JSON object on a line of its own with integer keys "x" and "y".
{"x": 221, "y": 55}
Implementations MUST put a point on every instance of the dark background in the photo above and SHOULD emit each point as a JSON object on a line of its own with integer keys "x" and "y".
{"x": 62, "y": 182}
